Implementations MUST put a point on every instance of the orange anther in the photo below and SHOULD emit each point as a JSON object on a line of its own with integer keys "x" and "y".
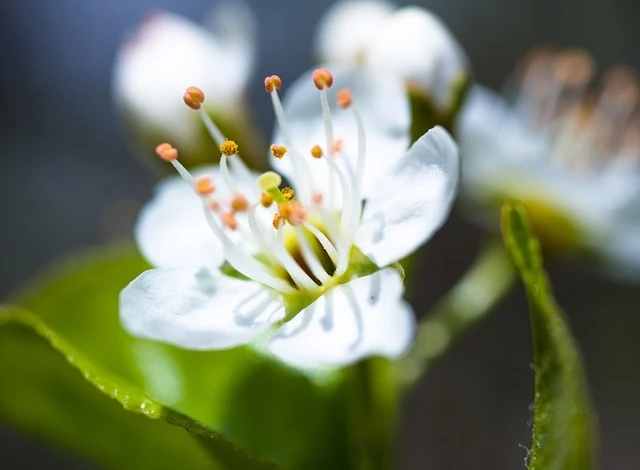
{"x": 322, "y": 78}
{"x": 316, "y": 151}
{"x": 266, "y": 200}
{"x": 193, "y": 97}
{"x": 317, "y": 198}
{"x": 344, "y": 98}
{"x": 284, "y": 210}
{"x": 337, "y": 145}
{"x": 215, "y": 206}
{"x": 167, "y": 152}
{"x": 229, "y": 220}
{"x": 204, "y": 186}
{"x": 272, "y": 83}
{"x": 297, "y": 215}
{"x": 277, "y": 220}
{"x": 239, "y": 203}
{"x": 278, "y": 151}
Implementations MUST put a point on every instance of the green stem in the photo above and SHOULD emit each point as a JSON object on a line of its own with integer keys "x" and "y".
{"x": 486, "y": 282}
{"x": 373, "y": 415}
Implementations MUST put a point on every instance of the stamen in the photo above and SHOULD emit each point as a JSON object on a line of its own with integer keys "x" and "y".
{"x": 278, "y": 220}
{"x": 296, "y": 272}
{"x": 239, "y": 203}
{"x": 193, "y": 97}
{"x": 204, "y": 186}
{"x": 278, "y": 151}
{"x": 322, "y": 78}
{"x": 272, "y": 83}
{"x": 288, "y": 193}
{"x": 337, "y": 145}
{"x": 324, "y": 241}
{"x": 344, "y": 98}
{"x": 316, "y": 151}
{"x": 229, "y": 148}
{"x": 167, "y": 152}
{"x": 310, "y": 257}
{"x": 229, "y": 220}
{"x": 266, "y": 200}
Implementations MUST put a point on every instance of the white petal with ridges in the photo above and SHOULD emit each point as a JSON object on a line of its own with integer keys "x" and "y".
{"x": 413, "y": 200}
{"x": 197, "y": 309}
{"x": 365, "y": 317}
{"x": 383, "y": 105}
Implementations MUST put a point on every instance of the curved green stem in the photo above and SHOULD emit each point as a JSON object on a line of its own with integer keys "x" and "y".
{"x": 486, "y": 282}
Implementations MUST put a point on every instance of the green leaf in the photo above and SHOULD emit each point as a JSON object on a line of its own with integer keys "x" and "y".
{"x": 75, "y": 414}
{"x": 270, "y": 410}
{"x": 563, "y": 426}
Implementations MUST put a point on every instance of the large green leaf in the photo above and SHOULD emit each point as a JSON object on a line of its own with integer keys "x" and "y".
{"x": 274, "y": 412}
{"x": 563, "y": 427}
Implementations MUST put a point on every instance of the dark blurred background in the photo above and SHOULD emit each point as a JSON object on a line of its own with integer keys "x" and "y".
{"x": 68, "y": 181}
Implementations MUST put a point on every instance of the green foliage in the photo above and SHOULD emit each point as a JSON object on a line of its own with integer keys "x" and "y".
{"x": 563, "y": 428}
{"x": 70, "y": 318}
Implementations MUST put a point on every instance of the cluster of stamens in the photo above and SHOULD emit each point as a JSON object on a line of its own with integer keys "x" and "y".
{"x": 331, "y": 240}
{"x": 587, "y": 127}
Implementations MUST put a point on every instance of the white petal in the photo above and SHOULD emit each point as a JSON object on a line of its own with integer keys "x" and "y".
{"x": 383, "y": 105}
{"x": 365, "y": 317}
{"x": 197, "y": 309}
{"x": 168, "y": 54}
{"x": 172, "y": 231}
{"x": 415, "y": 44}
{"x": 413, "y": 200}
{"x": 347, "y": 27}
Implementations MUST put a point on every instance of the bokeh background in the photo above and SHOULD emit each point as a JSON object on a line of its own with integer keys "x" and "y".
{"x": 68, "y": 181}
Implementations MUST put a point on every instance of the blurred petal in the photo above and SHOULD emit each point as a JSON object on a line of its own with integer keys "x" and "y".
{"x": 413, "y": 200}
{"x": 365, "y": 317}
{"x": 383, "y": 105}
{"x": 170, "y": 53}
{"x": 347, "y": 27}
{"x": 416, "y": 45}
{"x": 197, "y": 309}
{"x": 172, "y": 230}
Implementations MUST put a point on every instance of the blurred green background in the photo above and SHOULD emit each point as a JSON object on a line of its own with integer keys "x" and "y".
{"x": 68, "y": 181}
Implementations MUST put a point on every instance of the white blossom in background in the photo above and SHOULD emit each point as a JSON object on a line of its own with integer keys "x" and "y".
{"x": 410, "y": 42}
{"x": 167, "y": 54}
{"x": 307, "y": 273}
{"x": 568, "y": 149}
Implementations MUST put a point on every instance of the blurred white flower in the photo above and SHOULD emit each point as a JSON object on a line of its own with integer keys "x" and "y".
{"x": 306, "y": 269}
{"x": 170, "y": 52}
{"x": 569, "y": 150}
{"x": 410, "y": 42}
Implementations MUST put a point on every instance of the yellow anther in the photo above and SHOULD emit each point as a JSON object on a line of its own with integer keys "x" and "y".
{"x": 288, "y": 193}
{"x": 266, "y": 200}
{"x": 193, "y": 97}
{"x": 269, "y": 180}
{"x": 322, "y": 78}
{"x": 239, "y": 203}
{"x": 316, "y": 151}
{"x": 229, "y": 148}
{"x": 278, "y": 151}
{"x": 344, "y": 98}
{"x": 272, "y": 83}
{"x": 204, "y": 186}
{"x": 277, "y": 220}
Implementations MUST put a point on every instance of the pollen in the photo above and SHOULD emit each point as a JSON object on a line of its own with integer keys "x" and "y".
{"x": 269, "y": 180}
{"x": 266, "y": 200}
{"x": 229, "y": 148}
{"x": 204, "y": 186}
{"x": 278, "y": 151}
{"x": 229, "y": 220}
{"x": 316, "y": 151}
{"x": 167, "y": 152}
{"x": 239, "y": 203}
{"x": 288, "y": 193}
{"x": 344, "y": 98}
{"x": 322, "y": 78}
{"x": 272, "y": 83}
{"x": 193, "y": 97}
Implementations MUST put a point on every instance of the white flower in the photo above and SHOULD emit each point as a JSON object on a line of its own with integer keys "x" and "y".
{"x": 409, "y": 41}
{"x": 306, "y": 269}
{"x": 170, "y": 52}
{"x": 571, "y": 153}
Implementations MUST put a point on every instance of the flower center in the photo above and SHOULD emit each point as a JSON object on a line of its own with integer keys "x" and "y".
{"x": 301, "y": 238}
{"x": 586, "y": 128}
